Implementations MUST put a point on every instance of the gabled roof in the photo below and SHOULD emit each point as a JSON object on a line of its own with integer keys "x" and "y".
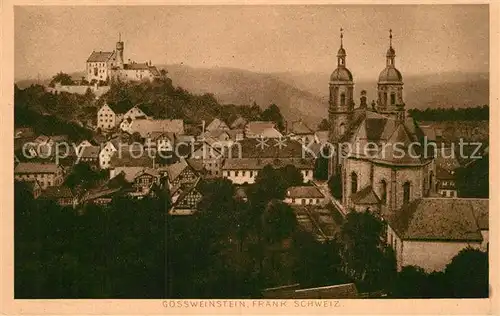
{"x": 99, "y": 56}
{"x": 441, "y": 219}
{"x": 36, "y": 167}
{"x": 257, "y": 127}
{"x": 57, "y": 193}
{"x": 174, "y": 170}
{"x": 145, "y": 126}
{"x": 216, "y": 124}
{"x": 260, "y": 163}
{"x": 90, "y": 152}
{"x": 239, "y": 122}
{"x": 300, "y": 128}
{"x": 136, "y": 66}
{"x": 304, "y": 191}
{"x": 365, "y": 196}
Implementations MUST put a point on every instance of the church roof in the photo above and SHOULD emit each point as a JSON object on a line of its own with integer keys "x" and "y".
{"x": 390, "y": 75}
{"x": 365, "y": 196}
{"x": 341, "y": 74}
{"x": 99, "y": 56}
{"x": 442, "y": 219}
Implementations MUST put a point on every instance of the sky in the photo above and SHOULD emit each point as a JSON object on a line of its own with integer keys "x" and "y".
{"x": 427, "y": 38}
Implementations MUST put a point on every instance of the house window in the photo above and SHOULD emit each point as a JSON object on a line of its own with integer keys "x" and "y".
{"x": 383, "y": 192}
{"x": 354, "y": 182}
{"x": 237, "y": 173}
{"x": 406, "y": 193}
{"x": 342, "y": 99}
{"x": 317, "y": 201}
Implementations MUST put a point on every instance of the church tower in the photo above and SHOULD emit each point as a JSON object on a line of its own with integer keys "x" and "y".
{"x": 390, "y": 86}
{"x": 341, "y": 104}
{"x": 119, "y": 52}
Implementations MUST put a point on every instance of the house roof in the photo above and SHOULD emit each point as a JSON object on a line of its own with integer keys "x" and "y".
{"x": 481, "y": 212}
{"x": 444, "y": 174}
{"x": 253, "y": 148}
{"x": 304, "y": 191}
{"x": 136, "y": 66}
{"x": 129, "y": 173}
{"x": 36, "y": 167}
{"x": 145, "y": 126}
{"x": 365, "y": 196}
{"x": 57, "y": 192}
{"x": 99, "y": 56}
{"x": 260, "y": 163}
{"x": 174, "y": 170}
{"x": 216, "y": 124}
{"x": 90, "y": 152}
{"x": 439, "y": 219}
{"x": 300, "y": 128}
{"x": 257, "y": 127}
{"x": 239, "y": 122}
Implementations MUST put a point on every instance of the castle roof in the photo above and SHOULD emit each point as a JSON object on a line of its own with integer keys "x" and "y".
{"x": 99, "y": 56}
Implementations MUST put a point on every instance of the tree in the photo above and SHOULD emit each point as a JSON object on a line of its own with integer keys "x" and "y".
{"x": 273, "y": 114}
{"x": 324, "y": 125}
{"x": 473, "y": 180}
{"x": 467, "y": 274}
{"x": 365, "y": 256}
{"x": 62, "y": 78}
{"x": 410, "y": 283}
{"x": 279, "y": 222}
{"x": 335, "y": 185}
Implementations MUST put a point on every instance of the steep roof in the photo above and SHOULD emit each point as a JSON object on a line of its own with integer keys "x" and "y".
{"x": 260, "y": 163}
{"x": 216, "y": 124}
{"x": 304, "y": 191}
{"x": 145, "y": 126}
{"x": 57, "y": 193}
{"x": 300, "y": 128}
{"x": 174, "y": 170}
{"x": 365, "y": 196}
{"x": 90, "y": 152}
{"x": 36, "y": 167}
{"x": 239, "y": 122}
{"x": 99, "y": 56}
{"x": 257, "y": 127}
{"x": 436, "y": 219}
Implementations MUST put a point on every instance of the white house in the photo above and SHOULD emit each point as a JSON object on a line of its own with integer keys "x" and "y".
{"x": 107, "y": 151}
{"x": 429, "y": 232}
{"x": 304, "y": 195}
{"x": 108, "y": 117}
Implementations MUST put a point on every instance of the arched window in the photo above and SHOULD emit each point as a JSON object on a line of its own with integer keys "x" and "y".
{"x": 406, "y": 193}
{"x": 354, "y": 182}
{"x": 393, "y": 98}
{"x": 383, "y": 196}
{"x": 342, "y": 99}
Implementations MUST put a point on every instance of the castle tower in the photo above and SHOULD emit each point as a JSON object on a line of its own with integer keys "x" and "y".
{"x": 390, "y": 86}
{"x": 341, "y": 104}
{"x": 119, "y": 52}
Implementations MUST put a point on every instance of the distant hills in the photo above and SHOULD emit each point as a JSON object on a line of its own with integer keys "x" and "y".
{"x": 305, "y": 95}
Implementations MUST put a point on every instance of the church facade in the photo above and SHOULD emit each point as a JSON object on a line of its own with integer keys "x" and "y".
{"x": 377, "y": 149}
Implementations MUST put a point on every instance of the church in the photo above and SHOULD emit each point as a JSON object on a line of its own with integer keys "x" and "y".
{"x": 380, "y": 157}
{"x": 379, "y": 168}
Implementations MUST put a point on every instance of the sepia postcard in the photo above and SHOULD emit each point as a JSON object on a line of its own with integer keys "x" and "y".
{"x": 261, "y": 158}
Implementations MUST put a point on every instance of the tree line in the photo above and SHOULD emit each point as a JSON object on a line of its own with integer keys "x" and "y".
{"x": 479, "y": 113}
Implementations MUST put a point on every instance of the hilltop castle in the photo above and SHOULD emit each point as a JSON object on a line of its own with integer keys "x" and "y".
{"x": 108, "y": 66}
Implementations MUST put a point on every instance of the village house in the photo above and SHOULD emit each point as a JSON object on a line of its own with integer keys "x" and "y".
{"x": 144, "y": 181}
{"x": 212, "y": 157}
{"x": 146, "y": 126}
{"x": 136, "y": 112}
{"x": 298, "y": 130}
{"x": 239, "y": 123}
{"x": 262, "y": 129}
{"x": 62, "y": 195}
{"x": 90, "y": 156}
{"x": 429, "y": 232}
{"x": 46, "y": 174}
{"x": 108, "y": 117}
{"x": 107, "y": 151}
{"x": 304, "y": 195}
{"x": 215, "y": 125}
{"x": 186, "y": 199}
{"x": 30, "y": 186}
{"x": 445, "y": 182}
{"x": 244, "y": 170}
{"x": 180, "y": 173}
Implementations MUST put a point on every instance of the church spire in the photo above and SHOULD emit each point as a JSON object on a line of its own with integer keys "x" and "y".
{"x": 391, "y": 54}
{"x": 341, "y": 54}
